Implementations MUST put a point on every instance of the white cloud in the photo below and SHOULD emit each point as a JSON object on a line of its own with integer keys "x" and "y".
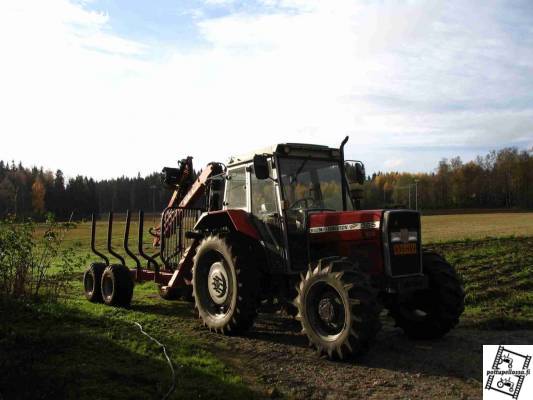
{"x": 392, "y": 164}
{"x": 78, "y": 96}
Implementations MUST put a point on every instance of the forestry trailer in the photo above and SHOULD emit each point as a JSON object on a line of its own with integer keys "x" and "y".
{"x": 282, "y": 227}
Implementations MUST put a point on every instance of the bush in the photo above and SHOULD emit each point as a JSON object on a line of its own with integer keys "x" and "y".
{"x": 33, "y": 263}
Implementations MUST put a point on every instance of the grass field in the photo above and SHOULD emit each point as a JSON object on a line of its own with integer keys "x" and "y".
{"x": 498, "y": 279}
{"x": 79, "y": 350}
{"x": 444, "y": 228}
{"x": 76, "y": 349}
{"x": 435, "y": 228}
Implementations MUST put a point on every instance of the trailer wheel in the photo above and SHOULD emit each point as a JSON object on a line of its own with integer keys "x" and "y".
{"x": 91, "y": 282}
{"x": 337, "y": 308}
{"x": 225, "y": 284}
{"x": 182, "y": 293}
{"x": 433, "y": 312}
{"x": 117, "y": 286}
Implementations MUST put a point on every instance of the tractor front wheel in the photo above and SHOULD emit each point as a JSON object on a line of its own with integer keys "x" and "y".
{"x": 225, "y": 284}
{"x": 117, "y": 286}
{"x": 337, "y": 308}
{"x": 433, "y": 312}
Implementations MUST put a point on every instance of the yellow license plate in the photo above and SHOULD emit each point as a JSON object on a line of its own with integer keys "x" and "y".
{"x": 403, "y": 249}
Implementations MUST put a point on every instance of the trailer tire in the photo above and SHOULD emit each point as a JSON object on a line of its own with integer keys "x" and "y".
{"x": 91, "y": 282}
{"x": 117, "y": 286}
{"x": 433, "y": 312}
{"x": 225, "y": 284}
{"x": 338, "y": 308}
{"x": 183, "y": 293}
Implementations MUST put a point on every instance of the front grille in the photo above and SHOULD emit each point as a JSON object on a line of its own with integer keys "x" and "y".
{"x": 402, "y": 242}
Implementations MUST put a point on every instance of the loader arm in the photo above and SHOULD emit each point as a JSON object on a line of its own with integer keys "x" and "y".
{"x": 187, "y": 199}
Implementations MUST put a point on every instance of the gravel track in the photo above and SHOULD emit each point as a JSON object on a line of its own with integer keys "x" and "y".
{"x": 274, "y": 358}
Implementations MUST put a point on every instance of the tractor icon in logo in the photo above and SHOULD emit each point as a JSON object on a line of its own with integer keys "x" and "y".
{"x": 506, "y": 358}
{"x": 506, "y": 382}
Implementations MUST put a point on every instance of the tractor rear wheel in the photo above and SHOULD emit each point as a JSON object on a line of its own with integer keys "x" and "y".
{"x": 117, "y": 286}
{"x": 337, "y": 308}
{"x": 225, "y": 284}
{"x": 433, "y": 312}
{"x": 91, "y": 282}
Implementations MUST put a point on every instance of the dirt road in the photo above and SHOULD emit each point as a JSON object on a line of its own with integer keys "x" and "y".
{"x": 274, "y": 358}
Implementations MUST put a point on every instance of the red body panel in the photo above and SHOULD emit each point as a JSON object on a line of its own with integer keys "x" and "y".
{"x": 238, "y": 218}
{"x": 144, "y": 275}
{"x": 216, "y": 219}
{"x": 242, "y": 223}
{"x": 353, "y": 234}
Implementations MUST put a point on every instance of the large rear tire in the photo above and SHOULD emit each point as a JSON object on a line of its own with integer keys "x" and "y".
{"x": 225, "y": 284}
{"x": 337, "y": 308}
{"x": 433, "y": 312}
{"x": 117, "y": 286}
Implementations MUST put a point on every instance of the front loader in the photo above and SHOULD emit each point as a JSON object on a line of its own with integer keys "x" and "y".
{"x": 282, "y": 226}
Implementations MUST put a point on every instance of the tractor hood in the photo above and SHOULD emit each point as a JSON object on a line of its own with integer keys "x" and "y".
{"x": 395, "y": 246}
{"x": 344, "y": 225}
{"x": 352, "y": 234}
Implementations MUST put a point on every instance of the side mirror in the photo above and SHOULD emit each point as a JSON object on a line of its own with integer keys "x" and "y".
{"x": 261, "y": 167}
{"x": 355, "y": 172}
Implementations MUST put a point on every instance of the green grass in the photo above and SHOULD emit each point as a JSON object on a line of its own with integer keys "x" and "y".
{"x": 80, "y": 236}
{"x": 79, "y": 350}
{"x": 498, "y": 279}
{"x": 76, "y": 349}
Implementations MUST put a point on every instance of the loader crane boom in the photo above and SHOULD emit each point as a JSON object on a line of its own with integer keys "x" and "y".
{"x": 187, "y": 192}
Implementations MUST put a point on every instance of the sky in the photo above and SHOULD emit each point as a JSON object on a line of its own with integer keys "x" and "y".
{"x": 106, "y": 88}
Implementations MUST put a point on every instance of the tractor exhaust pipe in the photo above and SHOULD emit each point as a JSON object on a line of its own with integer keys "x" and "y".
{"x": 343, "y": 180}
{"x": 342, "y": 146}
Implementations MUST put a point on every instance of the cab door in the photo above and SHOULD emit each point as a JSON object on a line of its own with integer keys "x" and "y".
{"x": 267, "y": 216}
{"x": 237, "y": 194}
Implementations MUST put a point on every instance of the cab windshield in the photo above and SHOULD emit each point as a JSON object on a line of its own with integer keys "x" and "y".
{"x": 311, "y": 184}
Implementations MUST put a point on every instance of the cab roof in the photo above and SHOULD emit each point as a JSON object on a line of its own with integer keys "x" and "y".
{"x": 289, "y": 149}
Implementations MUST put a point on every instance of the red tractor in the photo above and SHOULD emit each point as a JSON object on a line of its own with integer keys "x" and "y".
{"x": 283, "y": 226}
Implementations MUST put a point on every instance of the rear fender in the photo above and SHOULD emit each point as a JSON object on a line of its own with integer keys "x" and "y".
{"x": 234, "y": 220}
{"x": 231, "y": 220}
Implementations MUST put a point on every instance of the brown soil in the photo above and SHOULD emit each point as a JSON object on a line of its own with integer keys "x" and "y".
{"x": 275, "y": 359}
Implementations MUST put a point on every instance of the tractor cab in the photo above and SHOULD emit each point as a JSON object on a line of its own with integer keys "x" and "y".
{"x": 303, "y": 199}
{"x": 282, "y": 187}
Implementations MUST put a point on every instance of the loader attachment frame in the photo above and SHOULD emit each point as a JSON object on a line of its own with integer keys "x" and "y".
{"x": 174, "y": 241}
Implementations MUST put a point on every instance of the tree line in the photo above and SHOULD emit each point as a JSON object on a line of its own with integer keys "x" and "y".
{"x": 500, "y": 179}
{"x": 34, "y": 192}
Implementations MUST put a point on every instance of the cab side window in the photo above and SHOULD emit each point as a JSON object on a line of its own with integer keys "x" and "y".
{"x": 236, "y": 189}
{"x": 263, "y": 196}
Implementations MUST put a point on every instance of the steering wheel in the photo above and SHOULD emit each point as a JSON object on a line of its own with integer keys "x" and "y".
{"x": 305, "y": 200}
